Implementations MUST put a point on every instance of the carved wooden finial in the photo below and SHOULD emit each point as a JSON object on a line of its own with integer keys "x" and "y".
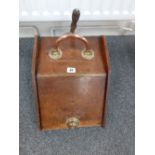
{"x": 75, "y": 18}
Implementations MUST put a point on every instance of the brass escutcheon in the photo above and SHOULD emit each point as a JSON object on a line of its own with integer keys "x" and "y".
{"x": 72, "y": 122}
{"x": 87, "y": 54}
{"x": 55, "y": 54}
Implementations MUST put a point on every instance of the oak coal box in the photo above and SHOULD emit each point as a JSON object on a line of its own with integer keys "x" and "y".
{"x": 70, "y": 77}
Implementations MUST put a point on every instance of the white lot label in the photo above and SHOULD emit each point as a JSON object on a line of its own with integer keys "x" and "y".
{"x": 71, "y": 70}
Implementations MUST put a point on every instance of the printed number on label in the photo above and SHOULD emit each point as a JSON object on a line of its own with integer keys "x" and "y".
{"x": 71, "y": 70}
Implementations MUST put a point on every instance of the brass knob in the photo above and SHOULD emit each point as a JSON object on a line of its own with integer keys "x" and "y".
{"x": 72, "y": 122}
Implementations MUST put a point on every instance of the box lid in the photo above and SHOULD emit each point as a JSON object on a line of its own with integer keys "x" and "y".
{"x": 71, "y": 63}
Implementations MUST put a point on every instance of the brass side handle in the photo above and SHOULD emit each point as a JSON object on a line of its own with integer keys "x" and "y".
{"x": 72, "y": 122}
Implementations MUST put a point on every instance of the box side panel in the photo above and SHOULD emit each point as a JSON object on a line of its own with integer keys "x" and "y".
{"x": 34, "y": 73}
{"x": 63, "y": 97}
{"x": 106, "y": 60}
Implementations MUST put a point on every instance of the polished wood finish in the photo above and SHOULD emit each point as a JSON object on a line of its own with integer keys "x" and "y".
{"x": 71, "y": 57}
{"x": 61, "y": 95}
{"x": 64, "y": 97}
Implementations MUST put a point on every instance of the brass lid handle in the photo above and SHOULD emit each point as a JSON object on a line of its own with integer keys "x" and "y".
{"x": 56, "y": 53}
{"x": 86, "y": 53}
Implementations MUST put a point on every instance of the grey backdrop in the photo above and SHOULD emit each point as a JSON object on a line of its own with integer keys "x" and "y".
{"x": 117, "y": 138}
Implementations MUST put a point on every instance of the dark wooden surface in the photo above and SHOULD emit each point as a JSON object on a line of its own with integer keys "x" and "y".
{"x": 71, "y": 57}
{"x": 64, "y": 97}
{"x": 61, "y": 95}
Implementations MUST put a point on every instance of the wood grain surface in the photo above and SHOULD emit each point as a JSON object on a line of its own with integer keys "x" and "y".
{"x": 62, "y": 95}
